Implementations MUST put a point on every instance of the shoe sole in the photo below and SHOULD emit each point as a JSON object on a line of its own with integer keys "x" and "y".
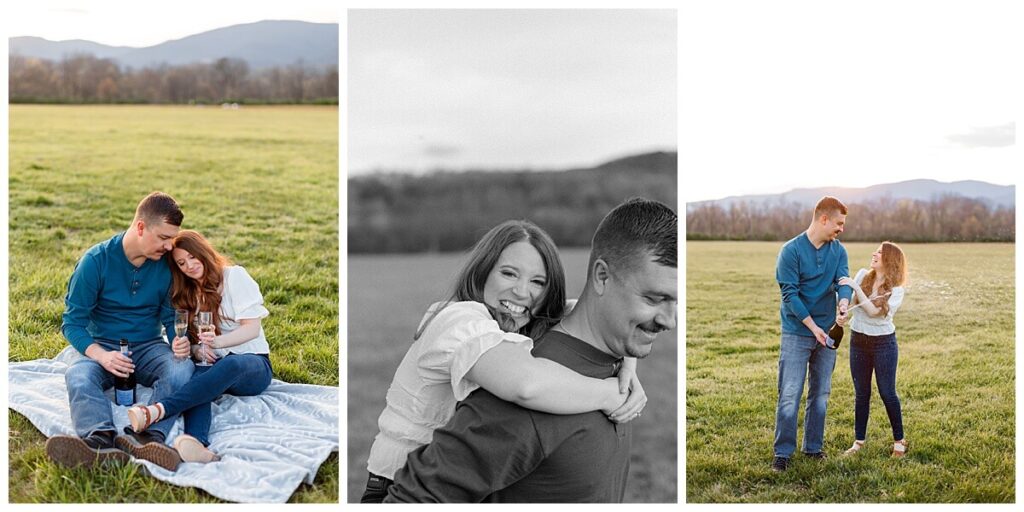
{"x": 191, "y": 450}
{"x": 157, "y": 453}
{"x": 137, "y": 423}
{"x": 72, "y": 452}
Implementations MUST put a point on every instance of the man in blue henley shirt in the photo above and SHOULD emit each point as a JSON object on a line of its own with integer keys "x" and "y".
{"x": 120, "y": 290}
{"x": 808, "y": 270}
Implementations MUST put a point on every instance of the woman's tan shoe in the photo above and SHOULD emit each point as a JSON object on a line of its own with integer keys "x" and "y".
{"x": 144, "y": 416}
{"x": 900, "y": 448}
{"x": 191, "y": 450}
{"x": 857, "y": 445}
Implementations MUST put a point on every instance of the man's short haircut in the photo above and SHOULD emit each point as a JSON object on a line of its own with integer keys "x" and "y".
{"x": 637, "y": 229}
{"x": 159, "y": 207}
{"x": 829, "y": 205}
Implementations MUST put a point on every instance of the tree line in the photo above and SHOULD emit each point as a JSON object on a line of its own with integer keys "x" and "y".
{"x": 947, "y": 218}
{"x": 450, "y": 211}
{"x": 87, "y": 79}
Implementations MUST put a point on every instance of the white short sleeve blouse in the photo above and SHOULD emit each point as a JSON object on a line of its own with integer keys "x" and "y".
{"x": 432, "y": 378}
{"x": 876, "y": 325}
{"x": 241, "y": 299}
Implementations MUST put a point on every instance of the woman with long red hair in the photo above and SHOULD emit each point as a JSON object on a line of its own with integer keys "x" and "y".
{"x": 873, "y": 348}
{"x": 205, "y": 280}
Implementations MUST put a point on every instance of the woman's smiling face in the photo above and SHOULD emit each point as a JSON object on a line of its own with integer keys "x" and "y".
{"x": 876, "y": 259}
{"x": 516, "y": 284}
{"x": 187, "y": 263}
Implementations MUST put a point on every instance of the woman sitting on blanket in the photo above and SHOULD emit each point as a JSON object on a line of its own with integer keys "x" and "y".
{"x": 205, "y": 280}
{"x": 511, "y": 291}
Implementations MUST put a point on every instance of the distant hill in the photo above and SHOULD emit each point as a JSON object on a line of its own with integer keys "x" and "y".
{"x": 449, "y": 211}
{"x": 922, "y": 190}
{"x": 30, "y": 46}
{"x": 909, "y": 211}
{"x": 262, "y": 44}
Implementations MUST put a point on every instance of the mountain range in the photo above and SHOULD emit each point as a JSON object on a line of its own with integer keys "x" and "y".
{"x": 922, "y": 189}
{"x": 261, "y": 44}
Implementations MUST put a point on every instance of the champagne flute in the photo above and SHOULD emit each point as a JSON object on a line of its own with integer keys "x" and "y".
{"x": 204, "y": 322}
{"x": 180, "y": 323}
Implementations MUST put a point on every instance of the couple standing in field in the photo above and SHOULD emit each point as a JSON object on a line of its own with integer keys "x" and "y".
{"x": 504, "y": 395}
{"x": 125, "y": 288}
{"x": 812, "y": 269}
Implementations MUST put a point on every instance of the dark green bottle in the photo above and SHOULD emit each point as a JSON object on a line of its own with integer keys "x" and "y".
{"x": 124, "y": 387}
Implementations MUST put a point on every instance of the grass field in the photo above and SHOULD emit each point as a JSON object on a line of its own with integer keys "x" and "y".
{"x": 260, "y": 183}
{"x": 955, "y": 380}
{"x": 386, "y": 300}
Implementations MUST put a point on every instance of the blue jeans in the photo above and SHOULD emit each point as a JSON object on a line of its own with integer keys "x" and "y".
{"x": 234, "y": 374}
{"x": 881, "y": 355}
{"x": 802, "y": 357}
{"x": 155, "y": 366}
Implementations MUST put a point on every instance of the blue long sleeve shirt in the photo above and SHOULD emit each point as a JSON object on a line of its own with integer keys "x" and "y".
{"x": 109, "y": 299}
{"x": 808, "y": 279}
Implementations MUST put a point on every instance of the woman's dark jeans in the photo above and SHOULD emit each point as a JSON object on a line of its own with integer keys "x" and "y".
{"x": 234, "y": 374}
{"x": 878, "y": 354}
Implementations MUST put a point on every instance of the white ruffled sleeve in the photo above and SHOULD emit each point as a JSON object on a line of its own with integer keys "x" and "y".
{"x": 246, "y": 299}
{"x": 456, "y": 339}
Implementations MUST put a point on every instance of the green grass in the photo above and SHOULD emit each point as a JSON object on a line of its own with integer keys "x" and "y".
{"x": 387, "y": 296}
{"x": 955, "y": 381}
{"x": 260, "y": 183}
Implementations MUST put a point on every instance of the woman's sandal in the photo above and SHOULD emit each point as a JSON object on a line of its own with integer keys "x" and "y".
{"x": 857, "y": 445}
{"x": 144, "y": 416}
{"x": 900, "y": 448}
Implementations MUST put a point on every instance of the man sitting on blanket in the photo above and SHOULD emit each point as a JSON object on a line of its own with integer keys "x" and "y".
{"x": 120, "y": 290}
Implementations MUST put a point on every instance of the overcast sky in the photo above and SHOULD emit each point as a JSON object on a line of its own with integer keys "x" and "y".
{"x": 776, "y": 96}
{"x": 139, "y": 23}
{"x": 500, "y": 88}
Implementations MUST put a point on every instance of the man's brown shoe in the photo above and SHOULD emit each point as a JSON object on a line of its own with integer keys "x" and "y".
{"x": 73, "y": 451}
{"x": 154, "y": 451}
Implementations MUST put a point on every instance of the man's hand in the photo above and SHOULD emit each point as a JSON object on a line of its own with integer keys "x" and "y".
{"x": 115, "y": 363}
{"x": 180, "y": 347}
{"x": 819, "y": 335}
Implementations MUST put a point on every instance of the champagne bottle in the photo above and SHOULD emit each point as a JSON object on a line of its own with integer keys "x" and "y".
{"x": 124, "y": 387}
{"x": 835, "y": 337}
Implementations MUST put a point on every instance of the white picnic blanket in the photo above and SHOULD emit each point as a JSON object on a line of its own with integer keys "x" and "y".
{"x": 269, "y": 444}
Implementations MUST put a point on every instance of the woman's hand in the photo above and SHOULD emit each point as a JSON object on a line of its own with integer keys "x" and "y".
{"x": 209, "y": 339}
{"x": 846, "y": 281}
{"x": 198, "y": 353}
{"x": 636, "y": 401}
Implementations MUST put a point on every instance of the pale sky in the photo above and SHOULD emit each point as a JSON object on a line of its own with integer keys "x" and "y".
{"x": 143, "y": 23}
{"x": 776, "y": 96}
{"x": 501, "y": 89}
